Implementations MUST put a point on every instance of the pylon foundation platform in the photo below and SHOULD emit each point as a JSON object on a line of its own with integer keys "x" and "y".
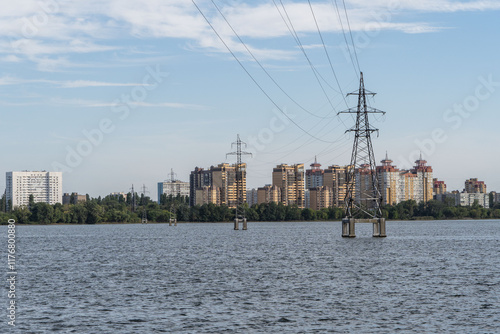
{"x": 237, "y": 222}
{"x": 349, "y": 226}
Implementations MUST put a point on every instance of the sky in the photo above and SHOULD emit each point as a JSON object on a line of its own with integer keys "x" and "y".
{"x": 116, "y": 93}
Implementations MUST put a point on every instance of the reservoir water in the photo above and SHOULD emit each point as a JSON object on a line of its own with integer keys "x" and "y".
{"x": 425, "y": 277}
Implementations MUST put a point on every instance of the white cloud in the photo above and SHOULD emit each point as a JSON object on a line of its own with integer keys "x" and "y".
{"x": 102, "y": 104}
{"x": 49, "y": 32}
{"x": 10, "y": 59}
{"x": 86, "y": 83}
{"x": 173, "y": 105}
{"x": 4, "y": 81}
{"x": 427, "y": 5}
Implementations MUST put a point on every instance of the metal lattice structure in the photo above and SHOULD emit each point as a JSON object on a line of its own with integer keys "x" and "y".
{"x": 144, "y": 218}
{"x": 363, "y": 198}
{"x": 239, "y": 180}
{"x": 173, "y": 218}
{"x": 133, "y": 200}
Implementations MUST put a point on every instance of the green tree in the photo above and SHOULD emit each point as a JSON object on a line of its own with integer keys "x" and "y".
{"x": 94, "y": 212}
{"x": 78, "y": 214}
{"x": 22, "y": 215}
{"x": 308, "y": 214}
{"x": 42, "y": 213}
{"x": 3, "y": 203}
{"x": 31, "y": 202}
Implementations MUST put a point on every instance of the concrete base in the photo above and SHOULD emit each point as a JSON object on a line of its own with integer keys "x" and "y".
{"x": 348, "y": 227}
{"x": 172, "y": 221}
{"x": 237, "y": 223}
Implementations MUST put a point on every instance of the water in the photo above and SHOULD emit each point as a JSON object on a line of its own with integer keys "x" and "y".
{"x": 274, "y": 278}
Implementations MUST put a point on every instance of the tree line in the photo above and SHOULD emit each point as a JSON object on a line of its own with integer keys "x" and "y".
{"x": 117, "y": 209}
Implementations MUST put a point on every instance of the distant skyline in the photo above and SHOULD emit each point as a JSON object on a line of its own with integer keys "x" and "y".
{"x": 117, "y": 93}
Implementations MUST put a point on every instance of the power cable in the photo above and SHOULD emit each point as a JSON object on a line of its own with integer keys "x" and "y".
{"x": 326, "y": 52}
{"x": 301, "y": 47}
{"x": 336, "y": 7}
{"x": 263, "y": 68}
{"x": 253, "y": 79}
{"x": 352, "y": 39}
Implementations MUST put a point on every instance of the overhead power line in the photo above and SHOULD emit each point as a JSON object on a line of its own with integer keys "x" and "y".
{"x": 353, "y": 62}
{"x": 352, "y": 39}
{"x": 326, "y": 52}
{"x": 263, "y": 68}
{"x": 253, "y": 79}
{"x": 292, "y": 30}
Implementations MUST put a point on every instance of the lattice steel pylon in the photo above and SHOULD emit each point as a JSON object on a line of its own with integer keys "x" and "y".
{"x": 133, "y": 201}
{"x": 173, "y": 218}
{"x": 239, "y": 181}
{"x": 363, "y": 198}
{"x": 144, "y": 218}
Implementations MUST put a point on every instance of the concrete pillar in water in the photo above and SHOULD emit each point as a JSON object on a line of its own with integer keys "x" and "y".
{"x": 379, "y": 228}
{"x": 236, "y": 224}
{"x": 376, "y": 229}
{"x": 345, "y": 227}
{"x": 382, "y": 228}
{"x": 348, "y": 230}
{"x": 244, "y": 223}
{"x": 352, "y": 233}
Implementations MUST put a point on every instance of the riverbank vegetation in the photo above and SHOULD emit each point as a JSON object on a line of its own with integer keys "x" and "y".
{"x": 118, "y": 209}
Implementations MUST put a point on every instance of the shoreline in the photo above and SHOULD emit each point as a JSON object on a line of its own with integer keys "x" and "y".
{"x": 253, "y": 222}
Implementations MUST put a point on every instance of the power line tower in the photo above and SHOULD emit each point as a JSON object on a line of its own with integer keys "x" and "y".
{"x": 173, "y": 218}
{"x": 363, "y": 198}
{"x": 239, "y": 170}
{"x": 144, "y": 219}
{"x": 133, "y": 200}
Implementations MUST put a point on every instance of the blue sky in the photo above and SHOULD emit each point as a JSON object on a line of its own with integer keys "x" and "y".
{"x": 117, "y": 93}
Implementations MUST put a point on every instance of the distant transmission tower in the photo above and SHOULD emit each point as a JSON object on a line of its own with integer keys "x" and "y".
{"x": 239, "y": 182}
{"x": 144, "y": 219}
{"x": 133, "y": 202}
{"x": 363, "y": 198}
{"x": 173, "y": 218}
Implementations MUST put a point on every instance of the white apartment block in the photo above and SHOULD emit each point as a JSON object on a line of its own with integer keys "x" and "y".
{"x": 468, "y": 199}
{"x": 174, "y": 188}
{"x": 45, "y": 187}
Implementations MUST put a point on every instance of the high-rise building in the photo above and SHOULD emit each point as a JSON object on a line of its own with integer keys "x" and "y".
{"x": 320, "y": 197}
{"x": 423, "y": 183}
{"x": 495, "y": 197}
{"x": 173, "y": 188}
{"x": 406, "y": 190}
{"x": 314, "y": 176}
{"x": 222, "y": 179}
{"x": 252, "y": 197}
{"x": 198, "y": 179}
{"x": 45, "y": 187}
{"x": 268, "y": 194}
{"x": 398, "y": 185}
{"x": 439, "y": 187}
{"x": 474, "y": 186}
{"x": 290, "y": 179}
{"x": 335, "y": 177}
{"x": 389, "y": 182}
{"x": 364, "y": 185}
{"x": 207, "y": 195}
